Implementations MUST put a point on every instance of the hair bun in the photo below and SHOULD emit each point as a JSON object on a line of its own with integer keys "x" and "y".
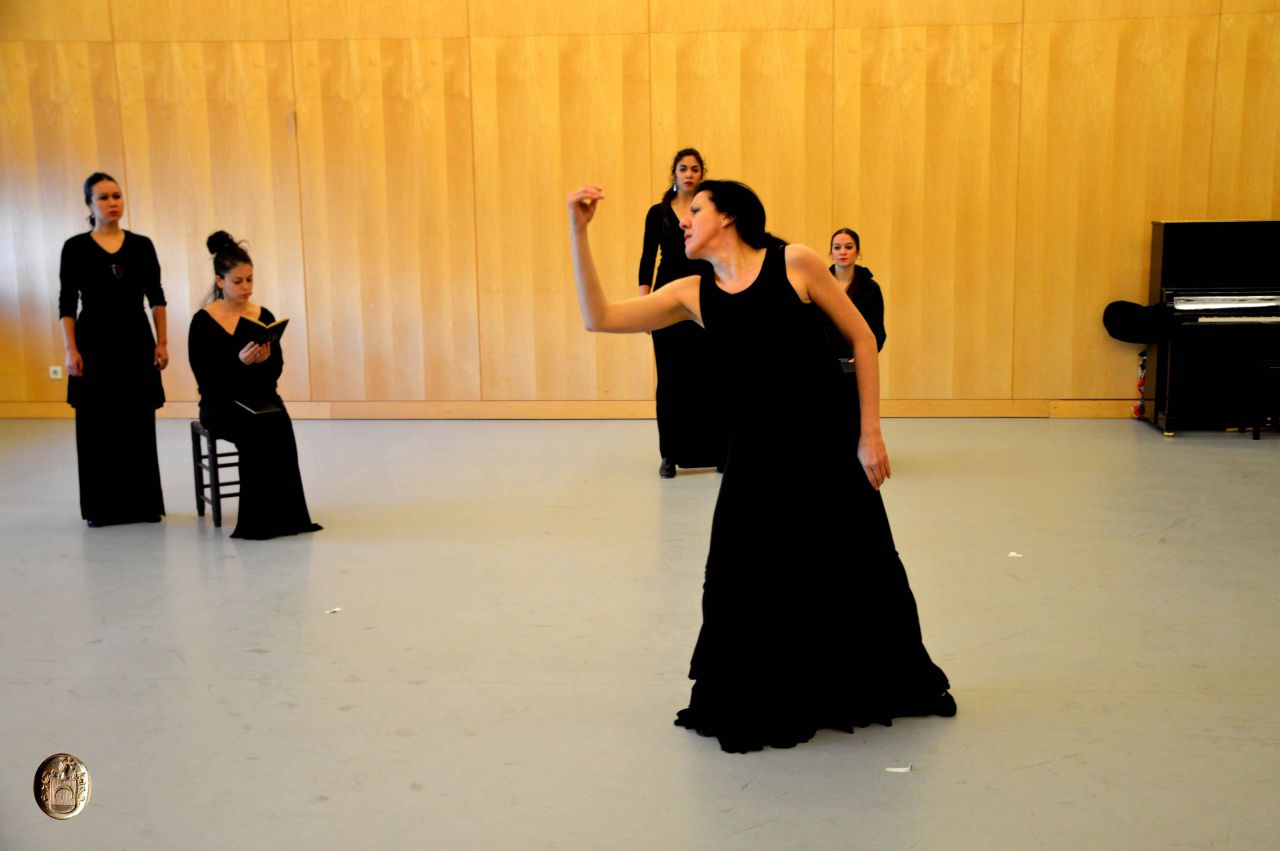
{"x": 218, "y": 241}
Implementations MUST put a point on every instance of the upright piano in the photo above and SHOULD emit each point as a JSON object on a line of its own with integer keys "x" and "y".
{"x": 1220, "y": 284}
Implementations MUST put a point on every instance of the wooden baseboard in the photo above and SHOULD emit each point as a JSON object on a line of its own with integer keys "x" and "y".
{"x": 606, "y": 410}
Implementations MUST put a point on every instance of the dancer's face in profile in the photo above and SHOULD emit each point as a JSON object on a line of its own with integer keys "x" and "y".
{"x": 700, "y": 225}
{"x": 107, "y": 202}
{"x": 237, "y": 285}
{"x": 688, "y": 173}
{"x": 843, "y": 251}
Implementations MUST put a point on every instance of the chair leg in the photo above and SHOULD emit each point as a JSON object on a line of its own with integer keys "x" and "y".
{"x": 215, "y": 486}
{"x": 197, "y": 470}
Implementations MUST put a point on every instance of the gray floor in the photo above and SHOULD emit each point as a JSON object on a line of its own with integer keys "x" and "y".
{"x": 518, "y": 605}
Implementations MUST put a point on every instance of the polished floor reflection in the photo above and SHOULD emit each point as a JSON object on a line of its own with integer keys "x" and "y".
{"x": 517, "y": 604}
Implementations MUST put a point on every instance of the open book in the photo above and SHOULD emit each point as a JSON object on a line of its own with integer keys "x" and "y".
{"x": 259, "y": 407}
{"x": 262, "y": 333}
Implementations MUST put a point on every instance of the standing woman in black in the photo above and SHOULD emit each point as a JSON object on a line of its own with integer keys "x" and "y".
{"x": 689, "y": 431}
{"x": 113, "y": 360}
{"x": 237, "y": 377}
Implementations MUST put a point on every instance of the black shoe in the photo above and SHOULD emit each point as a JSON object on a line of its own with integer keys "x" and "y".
{"x": 667, "y": 470}
{"x": 720, "y": 467}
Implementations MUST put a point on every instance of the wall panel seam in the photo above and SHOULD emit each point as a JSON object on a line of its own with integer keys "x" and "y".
{"x": 302, "y": 224}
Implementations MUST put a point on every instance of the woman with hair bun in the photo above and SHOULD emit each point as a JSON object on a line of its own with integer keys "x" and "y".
{"x": 113, "y": 360}
{"x": 238, "y": 399}
{"x": 808, "y": 621}
{"x": 690, "y": 433}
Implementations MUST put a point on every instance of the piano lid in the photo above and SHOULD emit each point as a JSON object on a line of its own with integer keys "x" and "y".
{"x": 1214, "y": 257}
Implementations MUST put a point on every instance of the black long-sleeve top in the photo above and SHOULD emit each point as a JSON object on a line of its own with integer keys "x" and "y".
{"x": 662, "y": 230}
{"x": 215, "y": 359}
{"x": 865, "y": 294}
{"x": 106, "y": 283}
{"x": 112, "y": 332}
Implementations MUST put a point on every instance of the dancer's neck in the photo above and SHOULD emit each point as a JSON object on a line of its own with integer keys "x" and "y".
{"x": 736, "y": 261}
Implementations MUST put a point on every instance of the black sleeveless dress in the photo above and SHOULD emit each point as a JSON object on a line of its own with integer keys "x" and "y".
{"x": 808, "y": 619}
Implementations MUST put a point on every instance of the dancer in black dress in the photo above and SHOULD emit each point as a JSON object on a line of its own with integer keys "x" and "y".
{"x": 792, "y": 640}
{"x": 690, "y": 431}
{"x": 113, "y": 360}
{"x": 237, "y": 377}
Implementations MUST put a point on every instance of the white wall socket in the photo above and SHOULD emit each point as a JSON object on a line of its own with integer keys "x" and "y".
{"x": 55, "y": 372}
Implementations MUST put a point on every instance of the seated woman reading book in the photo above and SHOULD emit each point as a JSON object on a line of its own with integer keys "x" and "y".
{"x": 234, "y": 349}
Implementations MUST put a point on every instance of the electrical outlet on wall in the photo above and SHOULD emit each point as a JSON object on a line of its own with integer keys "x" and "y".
{"x": 55, "y": 373}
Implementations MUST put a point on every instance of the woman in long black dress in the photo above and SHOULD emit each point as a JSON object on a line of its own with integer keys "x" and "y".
{"x": 113, "y": 360}
{"x": 792, "y": 640}
{"x": 238, "y": 398}
{"x": 690, "y": 431}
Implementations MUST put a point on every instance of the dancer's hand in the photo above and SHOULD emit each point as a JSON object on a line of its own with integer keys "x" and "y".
{"x": 75, "y": 363}
{"x": 582, "y": 205}
{"x": 249, "y": 354}
{"x": 162, "y": 356}
{"x": 874, "y": 459}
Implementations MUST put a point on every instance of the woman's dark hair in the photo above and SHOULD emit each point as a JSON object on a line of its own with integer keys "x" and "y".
{"x": 90, "y": 182}
{"x": 675, "y": 161}
{"x": 227, "y": 254}
{"x": 740, "y": 201}
{"x": 857, "y": 243}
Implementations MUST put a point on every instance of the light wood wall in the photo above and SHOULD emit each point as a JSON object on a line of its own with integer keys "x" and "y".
{"x": 399, "y": 167}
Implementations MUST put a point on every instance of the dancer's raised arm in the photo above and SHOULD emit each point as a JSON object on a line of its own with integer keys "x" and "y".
{"x": 675, "y": 302}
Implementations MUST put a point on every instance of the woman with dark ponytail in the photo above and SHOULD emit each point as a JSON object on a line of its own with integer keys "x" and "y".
{"x": 114, "y": 360}
{"x": 793, "y": 638}
{"x": 690, "y": 433}
{"x": 238, "y": 398}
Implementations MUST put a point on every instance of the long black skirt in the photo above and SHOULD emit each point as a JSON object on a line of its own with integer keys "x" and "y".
{"x": 118, "y": 463}
{"x": 808, "y": 620}
{"x": 272, "y": 502}
{"x": 691, "y": 431}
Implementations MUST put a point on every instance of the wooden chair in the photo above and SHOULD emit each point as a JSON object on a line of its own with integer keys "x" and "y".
{"x": 206, "y": 457}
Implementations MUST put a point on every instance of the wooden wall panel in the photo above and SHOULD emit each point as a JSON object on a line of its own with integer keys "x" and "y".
{"x": 759, "y": 108}
{"x": 200, "y": 20}
{"x": 59, "y": 123}
{"x": 389, "y": 209}
{"x": 691, "y": 16}
{"x": 550, "y": 114}
{"x": 1239, "y": 7}
{"x": 384, "y": 19}
{"x": 918, "y": 13}
{"x": 210, "y": 146}
{"x": 1245, "y": 180}
{"x": 926, "y": 171}
{"x": 1116, "y": 124}
{"x": 557, "y": 17}
{"x": 64, "y": 21}
{"x": 1092, "y": 10}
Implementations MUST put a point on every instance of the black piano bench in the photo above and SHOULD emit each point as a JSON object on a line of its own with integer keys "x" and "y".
{"x": 204, "y": 458}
